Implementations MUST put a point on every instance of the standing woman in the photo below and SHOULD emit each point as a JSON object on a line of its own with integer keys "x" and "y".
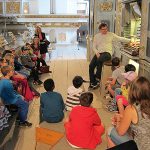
{"x": 43, "y": 41}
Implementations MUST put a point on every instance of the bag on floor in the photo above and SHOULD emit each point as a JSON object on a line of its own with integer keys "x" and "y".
{"x": 44, "y": 69}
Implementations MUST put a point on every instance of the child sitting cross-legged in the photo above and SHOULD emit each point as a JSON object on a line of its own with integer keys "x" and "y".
{"x": 74, "y": 92}
{"x": 52, "y": 105}
{"x": 121, "y": 94}
{"x": 117, "y": 78}
{"x": 83, "y": 127}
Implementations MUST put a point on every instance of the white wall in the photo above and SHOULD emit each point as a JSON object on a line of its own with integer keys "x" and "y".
{"x": 44, "y": 6}
{"x": 61, "y": 6}
{"x": 71, "y": 35}
{"x": 34, "y": 7}
{"x": 72, "y": 6}
{"x": 66, "y": 7}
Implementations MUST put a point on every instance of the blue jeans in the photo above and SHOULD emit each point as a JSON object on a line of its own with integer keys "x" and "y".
{"x": 23, "y": 109}
{"x": 116, "y": 138}
{"x": 97, "y": 63}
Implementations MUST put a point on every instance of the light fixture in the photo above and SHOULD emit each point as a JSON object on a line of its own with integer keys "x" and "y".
{"x": 25, "y": 11}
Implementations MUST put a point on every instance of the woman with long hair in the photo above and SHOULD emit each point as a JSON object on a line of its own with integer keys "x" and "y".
{"x": 43, "y": 41}
{"x": 136, "y": 117}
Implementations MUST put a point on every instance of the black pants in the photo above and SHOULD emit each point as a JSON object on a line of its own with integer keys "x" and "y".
{"x": 34, "y": 74}
{"x": 40, "y": 60}
{"x": 97, "y": 63}
{"x": 130, "y": 145}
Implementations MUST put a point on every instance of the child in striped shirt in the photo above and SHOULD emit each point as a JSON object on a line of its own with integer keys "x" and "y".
{"x": 74, "y": 92}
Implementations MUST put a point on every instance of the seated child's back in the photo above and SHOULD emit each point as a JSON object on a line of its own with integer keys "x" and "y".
{"x": 74, "y": 92}
{"x": 118, "y": 70}
{"x": 52, "y": 105}
{"x": 84, "y": 127}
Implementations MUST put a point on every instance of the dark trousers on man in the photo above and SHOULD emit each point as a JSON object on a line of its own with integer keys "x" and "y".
{"x": 97, "y": 63}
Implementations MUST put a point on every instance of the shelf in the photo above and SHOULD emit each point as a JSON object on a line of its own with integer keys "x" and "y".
{"x": 129, "y": 56}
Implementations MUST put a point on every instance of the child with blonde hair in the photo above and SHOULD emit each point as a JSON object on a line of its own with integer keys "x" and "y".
{"x": 10, "y": 96}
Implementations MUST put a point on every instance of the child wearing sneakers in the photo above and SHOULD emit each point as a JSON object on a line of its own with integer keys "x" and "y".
{"x": 83, "y": 127}
{"x": 74, "y": 92}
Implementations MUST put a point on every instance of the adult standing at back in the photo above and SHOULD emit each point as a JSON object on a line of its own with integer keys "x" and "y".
{"x": 43, "y": 41}
{"x": 102, "y": 47}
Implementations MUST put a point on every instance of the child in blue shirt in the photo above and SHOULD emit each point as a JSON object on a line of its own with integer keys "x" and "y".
{"x": 10, "y": 96}
{"x": 52, "y": 104}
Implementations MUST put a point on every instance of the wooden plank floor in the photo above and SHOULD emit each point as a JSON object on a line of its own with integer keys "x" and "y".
{"x": 63, "y": 72}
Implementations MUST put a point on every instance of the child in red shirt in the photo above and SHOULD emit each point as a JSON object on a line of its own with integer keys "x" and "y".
{"x": 84, "y": 128}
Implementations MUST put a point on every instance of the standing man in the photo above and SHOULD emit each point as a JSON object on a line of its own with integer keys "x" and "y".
{"x": 102, "y": 46}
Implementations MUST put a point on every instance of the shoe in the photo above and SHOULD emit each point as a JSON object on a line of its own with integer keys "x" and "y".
{"x": 93, "y": 86}
{"x": 112, "y": 108}
{"x": 98, "y": 80}
{"x": 34, "y": 82}
{"x": 25, "y": 124}
{"x": 39, "y": 82}
{"x": 17, "y": 120}
{"x": 39, "y": 73}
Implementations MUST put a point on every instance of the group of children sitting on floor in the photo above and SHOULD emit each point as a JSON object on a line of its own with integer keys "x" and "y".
{"x": 131, "y": 97}
{"x": 84, "y": 127}
{"x": 19, "y": 72}
{"x": 118, "y": 85}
